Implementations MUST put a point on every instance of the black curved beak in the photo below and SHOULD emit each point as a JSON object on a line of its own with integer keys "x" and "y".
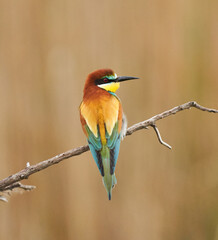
{"x": 125, "y": 78}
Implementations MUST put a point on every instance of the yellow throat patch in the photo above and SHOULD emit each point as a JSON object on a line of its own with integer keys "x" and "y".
{"x": 112, "y": 87}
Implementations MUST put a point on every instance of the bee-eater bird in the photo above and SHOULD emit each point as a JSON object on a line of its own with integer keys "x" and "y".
{"x": 103, "y": 121}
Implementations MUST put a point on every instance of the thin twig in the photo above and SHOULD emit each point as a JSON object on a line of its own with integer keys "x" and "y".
{"x": 3, "y": 198}
{"x": 19, "y": 185}
{"x": 29, "y": 170}
{"x": 159, "y": 137}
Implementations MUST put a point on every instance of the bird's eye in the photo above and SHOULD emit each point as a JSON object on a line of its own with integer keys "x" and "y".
{"x": 105, "y": 80}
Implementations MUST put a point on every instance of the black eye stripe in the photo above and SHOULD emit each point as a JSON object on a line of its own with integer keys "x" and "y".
{"x": 102, "y": 81}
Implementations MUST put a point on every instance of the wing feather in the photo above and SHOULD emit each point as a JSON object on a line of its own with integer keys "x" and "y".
{"x": 110, "y": 118}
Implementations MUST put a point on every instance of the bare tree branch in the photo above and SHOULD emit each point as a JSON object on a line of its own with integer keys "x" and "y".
{"x": 8, "y": 182}
{"x": 150, "y": 121}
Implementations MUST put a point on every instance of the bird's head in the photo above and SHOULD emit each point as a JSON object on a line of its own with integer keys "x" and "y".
{"x": 106, "y": 79}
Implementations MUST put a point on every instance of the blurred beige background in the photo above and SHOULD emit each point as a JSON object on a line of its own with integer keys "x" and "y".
{"x": 47, "y": 48}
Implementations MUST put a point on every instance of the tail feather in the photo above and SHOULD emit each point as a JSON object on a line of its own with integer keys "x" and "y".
{"x": 109, "y": 195}
{"x": 114, "y": 180}
{"x": 108, "y": 179}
